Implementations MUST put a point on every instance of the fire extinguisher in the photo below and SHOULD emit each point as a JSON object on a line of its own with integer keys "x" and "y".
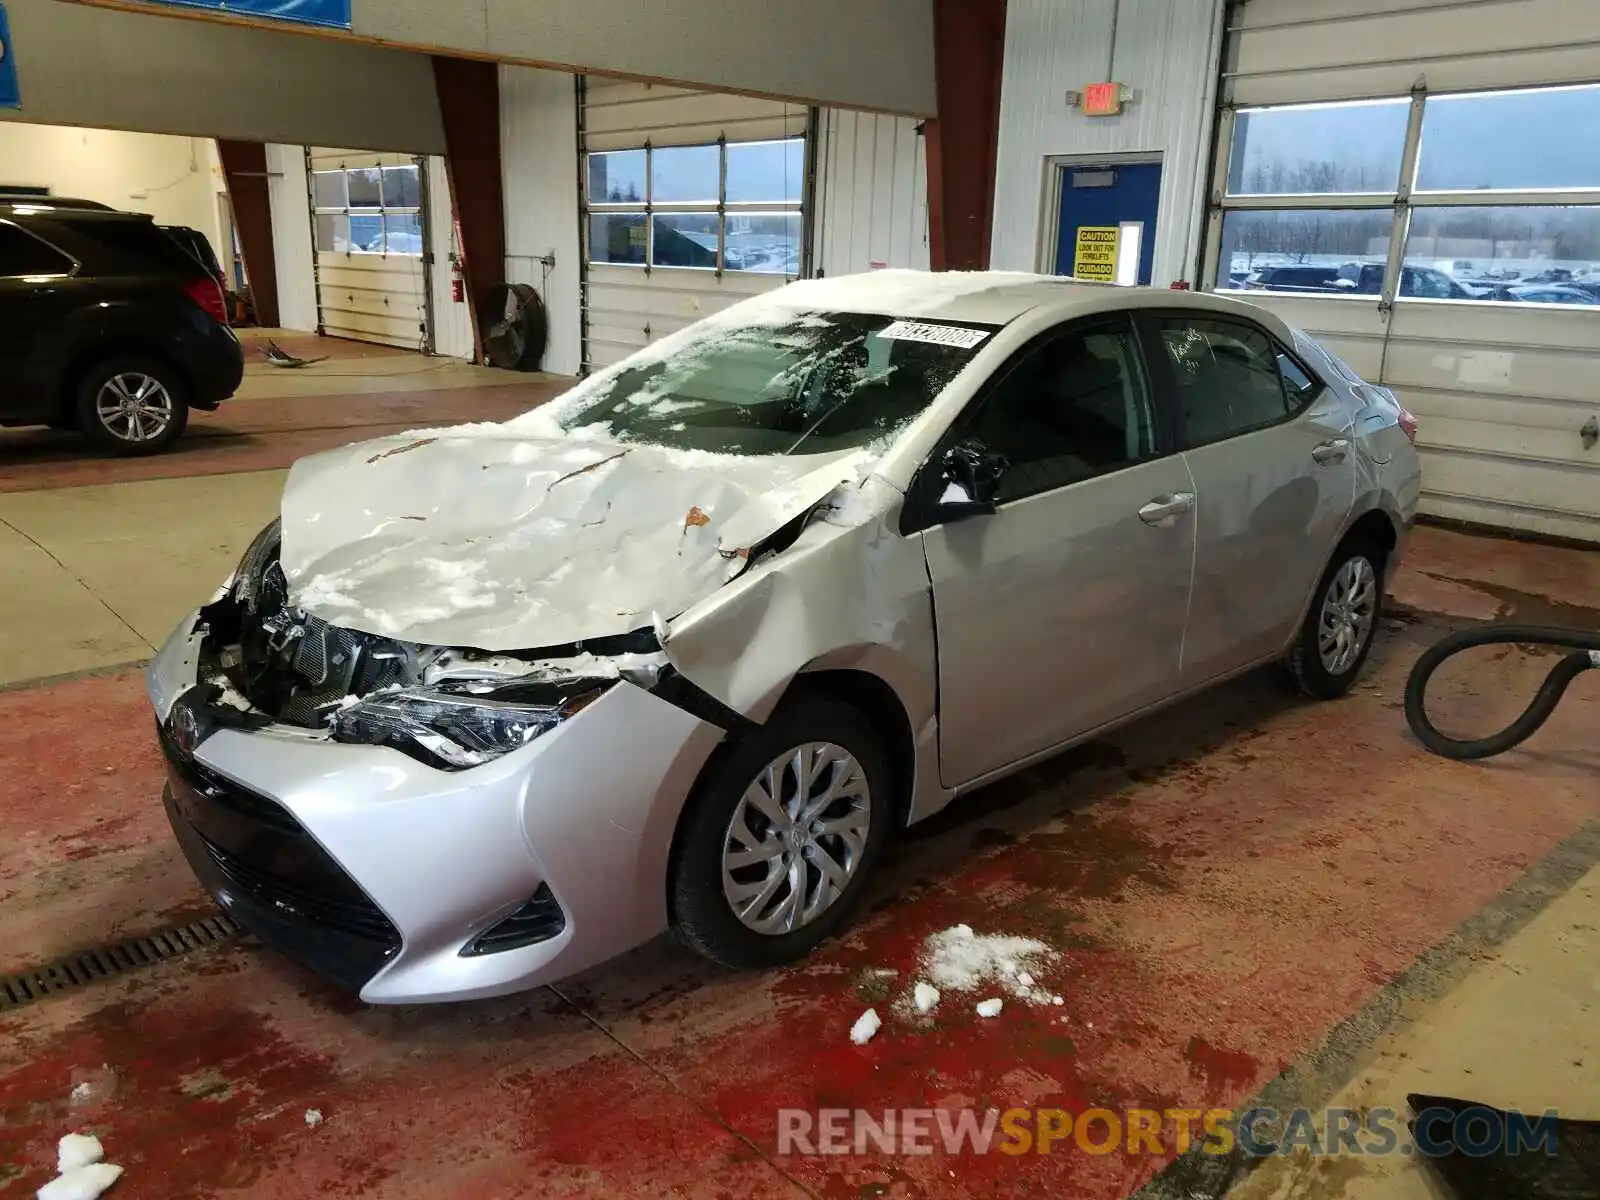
{"x": 458, "y": 278}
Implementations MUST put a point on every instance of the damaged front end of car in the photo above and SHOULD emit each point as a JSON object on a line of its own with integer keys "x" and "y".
{"x": 264, "y": 659}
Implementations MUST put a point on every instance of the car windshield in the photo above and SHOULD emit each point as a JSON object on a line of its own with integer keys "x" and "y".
{"x": 819, "y": 383}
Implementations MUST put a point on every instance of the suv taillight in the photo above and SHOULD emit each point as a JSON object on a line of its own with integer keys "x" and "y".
{"x": 1408, "y": 423}
{"x": 207, "y": 293}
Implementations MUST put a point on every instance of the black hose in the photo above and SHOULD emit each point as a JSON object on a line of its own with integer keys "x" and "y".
{"x": 1586, "y": 645}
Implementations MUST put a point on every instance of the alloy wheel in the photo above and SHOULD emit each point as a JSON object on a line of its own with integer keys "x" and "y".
{"x": 1349, "y": 610}
{"x": 796, "y": 838}
{"x": 134, "y": 407}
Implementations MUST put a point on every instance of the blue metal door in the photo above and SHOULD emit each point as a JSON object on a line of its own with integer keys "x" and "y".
{"x": 1107, "y": 197}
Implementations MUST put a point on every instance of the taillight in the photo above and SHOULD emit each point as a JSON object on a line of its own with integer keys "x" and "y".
{"x": 207, "y": 293}
{"x": 1408, "y": 423}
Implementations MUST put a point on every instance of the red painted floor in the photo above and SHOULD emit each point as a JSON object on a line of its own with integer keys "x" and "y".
{"x": 1225, "y": 882}
{"x": 261, "y": 434}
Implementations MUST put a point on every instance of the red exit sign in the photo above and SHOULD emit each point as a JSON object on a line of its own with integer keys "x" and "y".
{"x": 1100, "y": 99}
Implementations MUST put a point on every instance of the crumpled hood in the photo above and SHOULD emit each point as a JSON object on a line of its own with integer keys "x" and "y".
{"x": 486, "y": 538}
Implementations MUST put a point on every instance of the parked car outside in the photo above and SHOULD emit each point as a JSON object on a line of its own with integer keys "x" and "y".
{"x": 1427, "y": 283}
{"x": 108, "y": 326}
{"x": 1552, "y": 293}
{"x": 1292, "y": 279}
{"x": 688, "y": 646}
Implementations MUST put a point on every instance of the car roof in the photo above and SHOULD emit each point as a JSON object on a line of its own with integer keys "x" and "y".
{"x": 989, "y": 297}
{"x": 13, "y": 200}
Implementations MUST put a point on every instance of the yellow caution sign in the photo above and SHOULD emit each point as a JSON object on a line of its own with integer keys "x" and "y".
{"x": 1096, "y": 253}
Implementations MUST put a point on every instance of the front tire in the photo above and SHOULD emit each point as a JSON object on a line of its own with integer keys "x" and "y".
{"x": 1338, "y": 632}
{"x": 132, "y": 406}
{"x": 778, "y": 841}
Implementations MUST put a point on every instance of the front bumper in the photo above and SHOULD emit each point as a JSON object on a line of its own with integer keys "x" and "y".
{"x": 378, "y": 871}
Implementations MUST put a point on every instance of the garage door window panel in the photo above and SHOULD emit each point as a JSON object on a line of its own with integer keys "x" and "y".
{"x": 369, "y": 210}
{"x": 618, "y": 238}
{"x": 718, "y": 207}
{"x": 1288, "y": 151}
{"x": 1225, "y": 378}
{"x": 1317, "y": 195}
{"x": 685, "y": 240}
{"x": 1073, "y": 408}
{"x": 686, "y": 175}
{"x": 766, "y": 173}
{"x": 1320, "y": 251}
{"x": 1482, "y": 142}
{"x": 1522, "y": 254}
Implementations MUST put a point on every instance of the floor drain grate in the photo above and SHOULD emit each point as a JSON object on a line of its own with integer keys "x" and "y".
{"x": 39, "y": 983}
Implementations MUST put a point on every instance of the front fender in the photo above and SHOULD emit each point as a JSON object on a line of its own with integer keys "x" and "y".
{"x": 841, "y": 597}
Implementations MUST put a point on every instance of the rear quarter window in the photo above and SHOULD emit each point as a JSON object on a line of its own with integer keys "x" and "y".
{"x": 118, "y": 245}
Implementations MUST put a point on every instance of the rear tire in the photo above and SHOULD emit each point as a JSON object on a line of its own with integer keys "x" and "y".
{"x": 131, "y": 405}
{"x": 731, "y": 890}
{"x": 1333, "y": 643}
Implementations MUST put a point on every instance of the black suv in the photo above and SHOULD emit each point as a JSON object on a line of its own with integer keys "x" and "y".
{"x": 108, "y": 325}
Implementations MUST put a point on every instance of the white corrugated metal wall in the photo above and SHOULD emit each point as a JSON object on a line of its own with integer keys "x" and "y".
{"x": 538, "y": 144}
{"x": 289, "y": 199}
{"x": 627, "y": 305}
{"x": 372, "y": 284}
{"x": 1164, "y": 50}
{"x": 1503, "y": 390}
{"x": 872, "y": 194}
{"x": 452, "y": 320}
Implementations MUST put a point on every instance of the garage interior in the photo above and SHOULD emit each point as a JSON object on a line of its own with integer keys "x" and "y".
{"x": 1256, "y": 901}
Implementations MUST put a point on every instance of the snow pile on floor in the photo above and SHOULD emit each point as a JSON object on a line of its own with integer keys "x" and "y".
{"x": 925, "y": 997}
{"x": 959, "y": 960}
{"x": 313, "y": 1117}
{"x": 867, "y": 1024}
{"x": 80, "y": 1173}
{"x": 77, "y": 1150}
{"x": 990, "y": 1007}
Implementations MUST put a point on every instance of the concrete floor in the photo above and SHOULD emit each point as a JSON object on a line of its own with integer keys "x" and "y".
{"x": 1252, "y": 896}
{"x": 98, "y": 569}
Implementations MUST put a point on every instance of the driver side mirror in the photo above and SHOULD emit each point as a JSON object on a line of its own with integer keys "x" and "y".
{"x": 970, "y": 480}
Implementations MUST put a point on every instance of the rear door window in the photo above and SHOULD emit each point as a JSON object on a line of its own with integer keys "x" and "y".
{"x": 1225, "y": 377}
{"x": 22, "y": 254}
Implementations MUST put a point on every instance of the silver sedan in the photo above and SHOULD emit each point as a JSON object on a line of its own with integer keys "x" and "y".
{"x": 686, "y": 647}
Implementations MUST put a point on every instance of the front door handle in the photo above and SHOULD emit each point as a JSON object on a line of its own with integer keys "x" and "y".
{"x": 1333, "y": 451}
{"x": 1164, "y": 510}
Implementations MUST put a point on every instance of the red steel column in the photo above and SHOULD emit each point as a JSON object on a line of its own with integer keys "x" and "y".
{"x": 969, "y": 40}
{"x": 469, "y": 102}
{"x": 244, "y": 167}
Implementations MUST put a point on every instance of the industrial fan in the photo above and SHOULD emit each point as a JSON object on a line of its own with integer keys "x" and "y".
{"x": 515, "y": 327}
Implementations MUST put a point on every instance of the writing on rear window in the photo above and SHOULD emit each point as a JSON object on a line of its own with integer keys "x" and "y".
{"x": 937, "y": 335}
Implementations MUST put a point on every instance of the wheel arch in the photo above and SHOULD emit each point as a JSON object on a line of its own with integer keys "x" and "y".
{"x": 106, "y": 347}
{"x": 882, "y": 707}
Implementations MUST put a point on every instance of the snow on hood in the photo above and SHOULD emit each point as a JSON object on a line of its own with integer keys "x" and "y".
{"x": 484, "y": 537}
{"x": 530, "y": 534}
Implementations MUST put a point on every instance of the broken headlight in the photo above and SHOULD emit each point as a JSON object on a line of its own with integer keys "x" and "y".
{"x": 453, "y": 730}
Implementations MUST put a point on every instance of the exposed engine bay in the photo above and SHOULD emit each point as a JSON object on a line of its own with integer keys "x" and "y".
{"x": 270, "y": 661}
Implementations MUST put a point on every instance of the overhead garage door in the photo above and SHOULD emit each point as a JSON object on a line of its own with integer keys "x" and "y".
{"x": 370, "y": 212}
{"x": 1419, "y": 184}
{"x": 693, "y": 201}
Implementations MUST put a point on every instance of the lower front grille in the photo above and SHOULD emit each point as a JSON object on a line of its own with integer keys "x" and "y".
{"x": 266, "y": 870}
{"x": 360, "y": 919}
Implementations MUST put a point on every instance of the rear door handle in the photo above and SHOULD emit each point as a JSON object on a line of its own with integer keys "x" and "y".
{"x": 1331, "y": 452}
{"x": 1164, "y": 510}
